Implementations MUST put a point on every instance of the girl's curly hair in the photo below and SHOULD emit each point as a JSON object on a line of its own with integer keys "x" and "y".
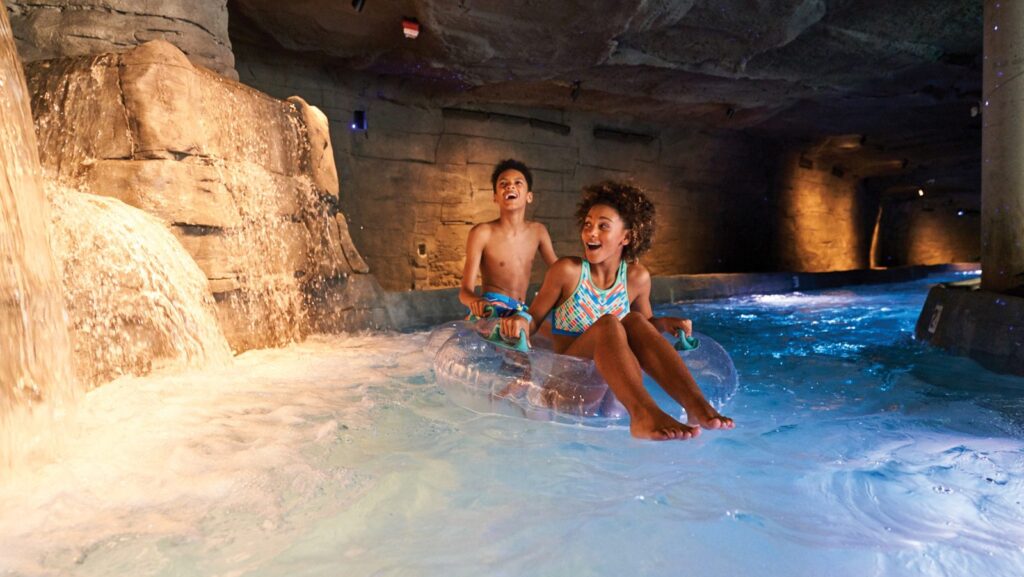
{"x": 633, "y": 206}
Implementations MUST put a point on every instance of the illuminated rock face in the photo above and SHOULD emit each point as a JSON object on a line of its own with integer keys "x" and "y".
{"x": 245, "y": 182}
{"x": 86, "y": 27}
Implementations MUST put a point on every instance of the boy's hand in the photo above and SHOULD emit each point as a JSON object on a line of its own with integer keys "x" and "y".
{"x": 512, "y": 326}
{"x": 478, "y": 307}
{"x": 674, "y": 325}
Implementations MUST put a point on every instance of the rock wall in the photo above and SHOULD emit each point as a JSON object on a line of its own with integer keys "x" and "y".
{"x": 930, "y": 229}
{"x": 823, "y": 220}
{"x": 246, "y": 182}
{"x": 419, "y": 177}
{"x": 62, "y": 28}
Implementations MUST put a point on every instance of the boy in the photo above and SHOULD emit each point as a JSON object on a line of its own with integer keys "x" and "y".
{"x": 501, "y": 251}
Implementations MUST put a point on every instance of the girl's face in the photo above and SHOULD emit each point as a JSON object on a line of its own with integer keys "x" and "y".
{"x": 604, "y": 234}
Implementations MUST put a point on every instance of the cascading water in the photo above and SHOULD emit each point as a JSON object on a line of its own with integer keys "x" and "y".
{"x": 35, "y": 358}
{"x": 137, "y": 301}
{"x": 270, "y": 299}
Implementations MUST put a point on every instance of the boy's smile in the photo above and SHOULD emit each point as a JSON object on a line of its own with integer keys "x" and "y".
{"x": 510, "y": 187}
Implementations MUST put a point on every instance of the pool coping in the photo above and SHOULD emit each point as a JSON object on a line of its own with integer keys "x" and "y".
{"x": 412, "y": 310}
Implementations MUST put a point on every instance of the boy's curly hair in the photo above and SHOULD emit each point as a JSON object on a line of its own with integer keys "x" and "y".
{"x": 511, "y": 163}
{"x": 633, "y": 206}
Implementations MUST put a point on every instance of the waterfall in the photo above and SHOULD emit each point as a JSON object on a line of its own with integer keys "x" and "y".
{"x": 35, "y": 355}
{"x": 137, "y": 301}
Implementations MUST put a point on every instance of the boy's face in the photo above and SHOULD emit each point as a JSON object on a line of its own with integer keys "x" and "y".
{"x": 511, "y": 190}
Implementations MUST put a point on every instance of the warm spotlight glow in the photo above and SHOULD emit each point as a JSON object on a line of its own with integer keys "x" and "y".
{"x": 920, "y": 192}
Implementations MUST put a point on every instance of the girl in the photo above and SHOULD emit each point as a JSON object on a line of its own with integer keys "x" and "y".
{"x": 603, "y": 312}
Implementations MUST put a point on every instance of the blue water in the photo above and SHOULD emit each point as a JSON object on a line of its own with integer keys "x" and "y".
{"x": 857, "y": 452}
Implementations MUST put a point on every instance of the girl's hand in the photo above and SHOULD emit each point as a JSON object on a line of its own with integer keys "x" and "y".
{"x": 674, "y": 325}
{"x": 512, "y": 326}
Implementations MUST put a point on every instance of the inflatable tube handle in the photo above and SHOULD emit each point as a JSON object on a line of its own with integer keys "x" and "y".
{"x": 522, "y": 345}
{"x": 686, "y": 343}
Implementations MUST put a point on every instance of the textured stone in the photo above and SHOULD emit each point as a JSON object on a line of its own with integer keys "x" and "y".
{"x": 84, "y": 93}
{"x": 354, "y": 259}
{"x": 321, "y": 153}
{"x": 177, "y": 192}
{"x": 65, "y": 28}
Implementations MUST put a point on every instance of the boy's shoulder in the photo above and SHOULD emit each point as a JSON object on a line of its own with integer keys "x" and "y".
{"x": 483, "y": 227}
{"x": 537, "y": 226}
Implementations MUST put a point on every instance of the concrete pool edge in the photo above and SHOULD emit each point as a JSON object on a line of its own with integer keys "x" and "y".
{"x": 412, "y": 310}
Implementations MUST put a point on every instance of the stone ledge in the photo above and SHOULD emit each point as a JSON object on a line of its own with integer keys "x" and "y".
{"x": 421, "y": 309}
{"x": 985, "y": 326}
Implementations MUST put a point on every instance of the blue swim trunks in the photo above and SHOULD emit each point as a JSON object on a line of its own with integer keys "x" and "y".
{"x": 504, "y": 305}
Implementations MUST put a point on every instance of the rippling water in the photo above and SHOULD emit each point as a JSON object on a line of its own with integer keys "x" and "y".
{"x": 858, "y": 452}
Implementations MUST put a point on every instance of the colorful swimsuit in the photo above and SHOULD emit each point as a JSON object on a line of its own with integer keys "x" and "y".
{"x": 504, "y": 305}
{"x": 588, "y": 303}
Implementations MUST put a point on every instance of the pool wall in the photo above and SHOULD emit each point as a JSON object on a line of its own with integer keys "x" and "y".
{"x": 419, "y": 309}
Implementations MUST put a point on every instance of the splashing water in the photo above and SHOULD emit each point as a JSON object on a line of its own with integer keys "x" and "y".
{"x": 857, "y": 452}
{"x": 35, "y": 366}
{"x": 137, "y": 301}
{"x": 270, "y": 299}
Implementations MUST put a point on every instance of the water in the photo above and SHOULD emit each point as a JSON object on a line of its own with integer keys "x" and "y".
{"x": 35, "y": 364}
{"x": 136, "y": 300}
{"x": 857, "y": 452}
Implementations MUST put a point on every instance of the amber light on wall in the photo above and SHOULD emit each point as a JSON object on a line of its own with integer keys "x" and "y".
{"x": 819, "y": 221}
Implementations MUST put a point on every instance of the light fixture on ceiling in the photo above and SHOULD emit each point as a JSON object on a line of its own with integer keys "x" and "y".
{"x": 920, "y": 192}
{"x": 358, "y": 5}
{"x": 410, "y": 28}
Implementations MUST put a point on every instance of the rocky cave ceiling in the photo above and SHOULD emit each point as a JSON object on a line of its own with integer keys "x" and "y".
{"x": 904, "y": 75}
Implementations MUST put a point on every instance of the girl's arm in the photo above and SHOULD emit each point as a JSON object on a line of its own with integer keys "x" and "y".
{"x": 639, "y": 287}
{"x": 558, "y": 276}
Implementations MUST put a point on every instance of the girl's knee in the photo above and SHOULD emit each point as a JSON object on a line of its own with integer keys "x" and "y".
{"x": 609, "y": 324}
{"x": 633, "y": 317}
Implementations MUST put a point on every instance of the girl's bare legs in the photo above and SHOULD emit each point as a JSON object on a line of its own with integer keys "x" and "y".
{"x": 662, "y": 362}
{"x": 607, "y": 344}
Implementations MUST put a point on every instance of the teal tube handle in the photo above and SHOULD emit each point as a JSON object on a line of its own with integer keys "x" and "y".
{"x": 686, "y": 343}
{"x": 522, "y": 345}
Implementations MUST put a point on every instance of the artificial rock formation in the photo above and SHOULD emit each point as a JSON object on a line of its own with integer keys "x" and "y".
{"x": 63, "y": 28}
{"x": 246, "y": 182}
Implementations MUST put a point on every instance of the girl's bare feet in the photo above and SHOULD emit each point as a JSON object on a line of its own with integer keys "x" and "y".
{"x": 659, "y": 426}
{"x": 708, "y": 418}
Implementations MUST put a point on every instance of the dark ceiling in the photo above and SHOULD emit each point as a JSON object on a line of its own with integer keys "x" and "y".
{"x": 904, "y": 76}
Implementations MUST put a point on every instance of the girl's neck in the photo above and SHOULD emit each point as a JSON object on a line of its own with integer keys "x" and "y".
{"x": 603, "y": 273}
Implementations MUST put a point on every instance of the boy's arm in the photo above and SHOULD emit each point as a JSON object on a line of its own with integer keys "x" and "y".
{"x": 547, "y": 250}
{"x": 640, "y": 282}
{"x": 474, "y": 253}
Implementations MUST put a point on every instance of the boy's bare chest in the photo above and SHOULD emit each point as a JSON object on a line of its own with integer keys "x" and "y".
{"x": 505, "y": 253}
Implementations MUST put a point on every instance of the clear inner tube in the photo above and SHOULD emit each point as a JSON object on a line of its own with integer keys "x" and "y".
{"x": 544, "y": 385}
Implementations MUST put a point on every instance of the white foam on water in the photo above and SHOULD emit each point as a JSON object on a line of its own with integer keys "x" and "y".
{"x": 340, "y": 456}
